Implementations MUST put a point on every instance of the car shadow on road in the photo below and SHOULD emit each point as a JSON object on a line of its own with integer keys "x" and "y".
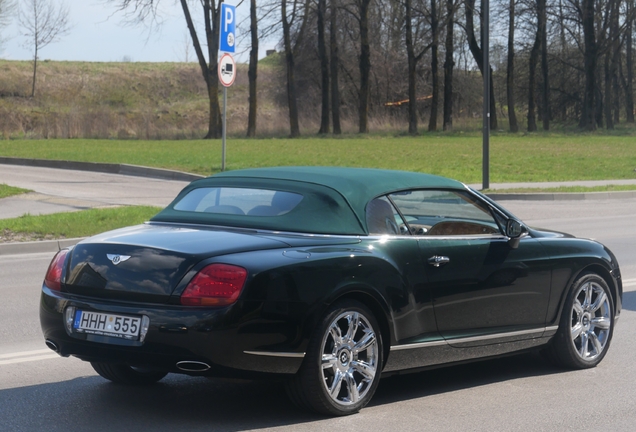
{"x": 194, "y": 403}
{"x": 459, "y": 377}
{"x": 629, "y": 300}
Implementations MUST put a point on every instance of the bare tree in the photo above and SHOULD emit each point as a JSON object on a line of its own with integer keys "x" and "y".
{"x": 252, "y": 72}
{"x": 138, "y": 11}
{"x": 42, "y": 22}
{"x": 6, "y": 11}
{"x": 334, "y": 65}
{"x": 324, "y": 68}
{"x": 412, "y": 58}
{"x": 289, "y": 19}
{"x": 432, "y": 123}
{"x": 628, "y": 82}
{"x": 510, "y": 70}
{"x": 478, "y": 56}
{"x": 449, "y": 64}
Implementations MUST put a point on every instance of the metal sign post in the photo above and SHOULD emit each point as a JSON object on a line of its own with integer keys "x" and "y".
{"x": 227, "y": 74}
{"x": 227, "y": 66}
{"x": 485, "y": 45}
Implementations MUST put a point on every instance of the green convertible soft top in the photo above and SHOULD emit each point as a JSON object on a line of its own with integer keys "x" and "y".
{"x": 334, "y": 198}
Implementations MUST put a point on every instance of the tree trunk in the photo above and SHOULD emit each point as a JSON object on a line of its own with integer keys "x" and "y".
{"x": 365, "y": 67}
{"x": 629, "y": 87}
{"x": 334, "y": 65}
{"x": 324, "y": 68}
{"x": 289, "y": 63}
{"x": 541, "y": 9}
{"x": 615, "y": 53}
{"x": 412, "y": 63}
{"x": 532, "y": 64}
{"x": 252, "y": 72}
{"x": 609, "y": 120}
{"x": 510, "y": 70}
{"x": 432, "y": 123}
{"x": 589, "y": 112}
{"x": 478, "y": 56}
{"x": 35, "y": 69}
{"x": 449, "y": 64}
{"x": 208, "y": 71}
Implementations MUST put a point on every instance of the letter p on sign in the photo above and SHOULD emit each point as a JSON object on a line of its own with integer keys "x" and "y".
{"x": 227, "y": 34}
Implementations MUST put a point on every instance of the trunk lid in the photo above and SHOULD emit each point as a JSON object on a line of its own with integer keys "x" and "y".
{"x": 146, "y": 262}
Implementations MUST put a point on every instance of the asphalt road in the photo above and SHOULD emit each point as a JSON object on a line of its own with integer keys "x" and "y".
{"x": 41, "y": 392}
{"x": 57, "y": 190}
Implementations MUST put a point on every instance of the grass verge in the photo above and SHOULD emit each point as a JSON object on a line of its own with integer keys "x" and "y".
{"x": 7, "y": 191}
{"x": 513, "y": 157}
{"x": 73, "y": 224}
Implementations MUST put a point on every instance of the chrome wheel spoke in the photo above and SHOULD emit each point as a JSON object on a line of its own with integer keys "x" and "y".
{"x": 596, "y": 343}
{"x": 603, "y": 323}
{"x": 329, "y": 361}
{"x": 583, "y": 352}
{"x": 336, "y": 334}
{"x": 353, "y": 321}
{"x": 365, "y": 369}
{"x": 601, "y": 299}
{"x": 576, "y": 330}
{"x": 352, "y": 387}
{"x": 577, "y": 307}
{"x": 588, "y": 294}
{"x": 336, "y": 384}
{"x": 367, "y": 341}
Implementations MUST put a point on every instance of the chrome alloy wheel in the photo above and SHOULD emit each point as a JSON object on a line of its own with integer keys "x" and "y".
{"x": 349, "y": 358}
{"x": 591, "y": 321}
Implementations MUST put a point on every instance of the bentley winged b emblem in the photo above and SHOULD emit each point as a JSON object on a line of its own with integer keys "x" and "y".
{"x": 116, "y": 259}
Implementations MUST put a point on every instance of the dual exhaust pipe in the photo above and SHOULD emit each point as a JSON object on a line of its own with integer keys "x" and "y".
{"x": 185, "y": 365}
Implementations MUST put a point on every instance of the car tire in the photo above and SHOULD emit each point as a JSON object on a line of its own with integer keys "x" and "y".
{"x": 123, "y": 374}
{"x": 586, "y": 326}
{"x": 342, "y": 366}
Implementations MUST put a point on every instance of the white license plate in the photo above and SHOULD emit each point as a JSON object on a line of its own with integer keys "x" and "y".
{"x": 121, "y": 326}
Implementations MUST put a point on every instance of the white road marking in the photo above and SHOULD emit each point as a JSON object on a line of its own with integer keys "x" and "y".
{"x": 629, "y": 282}
{"x": 27, "y": 356}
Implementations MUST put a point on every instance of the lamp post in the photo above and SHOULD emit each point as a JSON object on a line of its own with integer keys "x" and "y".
{"x": 485, "y": 43}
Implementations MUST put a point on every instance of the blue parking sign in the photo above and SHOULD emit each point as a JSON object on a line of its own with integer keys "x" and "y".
{"x": 227, "y": 35}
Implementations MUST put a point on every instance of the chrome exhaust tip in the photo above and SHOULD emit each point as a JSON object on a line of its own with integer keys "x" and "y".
{"x": 192, "y": 366}
{"x": 52, "y": 345}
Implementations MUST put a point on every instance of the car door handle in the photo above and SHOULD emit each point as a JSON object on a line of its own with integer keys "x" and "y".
{"x": 437, "y": 260}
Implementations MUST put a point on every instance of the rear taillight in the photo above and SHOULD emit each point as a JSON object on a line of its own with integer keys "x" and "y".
{"x": 215, "y": 285}
{"x": 53, "y": 278}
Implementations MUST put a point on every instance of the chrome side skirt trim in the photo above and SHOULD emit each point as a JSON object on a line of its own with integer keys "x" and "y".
{"x": 419, "y": 345}
{"x": 276, "y": 354}
{"x": 538, "y": 331}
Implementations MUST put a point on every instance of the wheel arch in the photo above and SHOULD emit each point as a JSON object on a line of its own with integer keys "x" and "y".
{"x": 370, "y": 298}
{"x": 597, "y": 269}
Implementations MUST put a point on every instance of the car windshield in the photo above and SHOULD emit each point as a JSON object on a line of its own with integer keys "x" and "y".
{"x": 239, "y": 201}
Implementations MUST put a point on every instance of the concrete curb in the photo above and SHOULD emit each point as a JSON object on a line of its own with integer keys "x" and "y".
{"x": 123, "y": 169}
{"x": 561, "y": 196}
{"x": 37, "y": 246}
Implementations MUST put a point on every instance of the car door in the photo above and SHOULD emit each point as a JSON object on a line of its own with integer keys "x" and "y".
{"x": 484, "y": 290}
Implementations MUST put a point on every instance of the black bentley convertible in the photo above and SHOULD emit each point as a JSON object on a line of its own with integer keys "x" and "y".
{"x": 331, "y": 277}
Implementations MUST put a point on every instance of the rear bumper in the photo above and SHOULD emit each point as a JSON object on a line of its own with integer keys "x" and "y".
{"x": 222, "y": 339}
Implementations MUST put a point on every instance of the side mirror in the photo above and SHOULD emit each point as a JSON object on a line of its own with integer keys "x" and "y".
{"x": 514, "y": 230}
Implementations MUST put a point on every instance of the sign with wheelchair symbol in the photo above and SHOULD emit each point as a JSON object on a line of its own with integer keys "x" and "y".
{"x": 227, "y": 70}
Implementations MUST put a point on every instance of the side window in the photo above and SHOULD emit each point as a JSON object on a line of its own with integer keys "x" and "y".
{"x": 382, "y": 218}
{"x": 444, "y": 213}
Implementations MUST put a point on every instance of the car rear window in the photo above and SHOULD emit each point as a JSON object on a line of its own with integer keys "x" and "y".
{"x": 239, "y": 201}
